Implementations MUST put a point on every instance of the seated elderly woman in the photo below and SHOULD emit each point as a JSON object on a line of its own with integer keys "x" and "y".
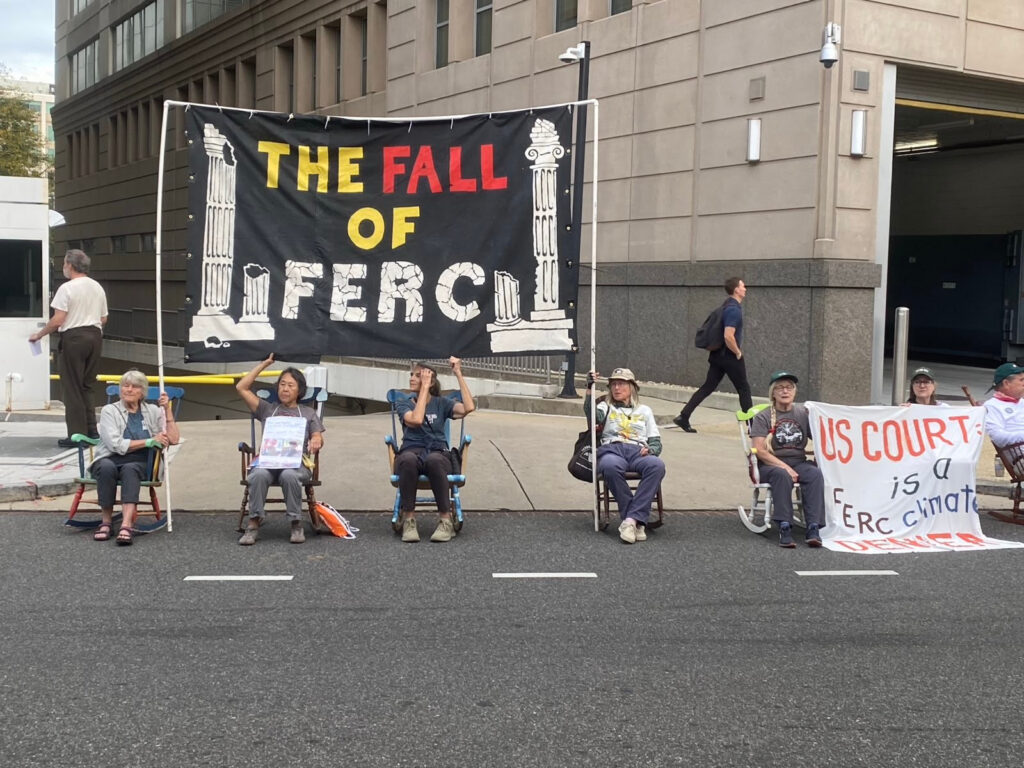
{"x": 424, "y": 448}
{"x": 629, "y": 442}
{"x": 291, "y": 388}
{"x": 779, "y": 435}
{"x": 127, "y": 429}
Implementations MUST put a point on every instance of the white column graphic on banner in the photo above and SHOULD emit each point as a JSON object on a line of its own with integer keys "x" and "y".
{"x": 900, "y": 479}
{"x": 548, "y": 327}
{"x": 212, "y": 325}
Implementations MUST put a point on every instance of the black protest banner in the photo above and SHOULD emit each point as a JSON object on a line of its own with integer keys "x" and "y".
{"x": 312, "y": 236}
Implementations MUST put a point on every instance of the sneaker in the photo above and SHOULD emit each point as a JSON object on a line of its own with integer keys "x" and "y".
{"x": 445, "y": 530}
{"x": 627, "y": 530}
{"x": 409, "y": 531}
{"x": 813, "y": 537}
{"x": 298, "y": 535}
{"x": 250, "y": 536}
{"x": 683, "y": 423}
{"x": 641, "y": 533}
{"x": 786, "y": 536}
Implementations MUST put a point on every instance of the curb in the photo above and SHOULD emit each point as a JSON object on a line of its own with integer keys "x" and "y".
{"x": 29, "y": 491}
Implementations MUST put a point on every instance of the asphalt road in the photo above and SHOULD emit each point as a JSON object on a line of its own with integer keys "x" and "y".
{"x": 700, "y": 647}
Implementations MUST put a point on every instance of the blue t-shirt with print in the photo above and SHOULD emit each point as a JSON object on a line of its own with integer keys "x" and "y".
{"x": 430, "y": 434}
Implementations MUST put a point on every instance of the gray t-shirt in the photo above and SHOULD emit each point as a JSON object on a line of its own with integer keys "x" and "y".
{"x": 792, "y": 431}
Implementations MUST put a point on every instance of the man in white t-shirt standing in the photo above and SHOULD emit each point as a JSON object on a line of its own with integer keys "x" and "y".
{"x": 79, "y": 314}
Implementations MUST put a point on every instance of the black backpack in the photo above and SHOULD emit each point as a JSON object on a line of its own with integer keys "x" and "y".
{"x": 711, "y": 334}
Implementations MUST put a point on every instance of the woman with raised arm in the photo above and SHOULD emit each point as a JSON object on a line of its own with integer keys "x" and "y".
{"x": 291, "y": 388}
{"x": 425, "y": 449}
{"x": 128, "y": 428}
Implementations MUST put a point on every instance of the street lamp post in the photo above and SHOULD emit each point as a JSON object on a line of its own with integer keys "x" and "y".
{"x": 579, "y": 54}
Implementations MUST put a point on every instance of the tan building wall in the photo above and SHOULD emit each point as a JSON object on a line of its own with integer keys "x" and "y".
{"x": 679, "y": 209}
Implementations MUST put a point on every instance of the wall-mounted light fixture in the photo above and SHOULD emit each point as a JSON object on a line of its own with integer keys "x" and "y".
{"x": 754, "y": 140}
{"x": 858, "y": 133}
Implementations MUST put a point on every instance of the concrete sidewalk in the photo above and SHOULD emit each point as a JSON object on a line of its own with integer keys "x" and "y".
{"x": 516, "y": 462}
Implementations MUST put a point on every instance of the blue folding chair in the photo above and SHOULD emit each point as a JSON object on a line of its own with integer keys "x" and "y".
{"x": 315, "y": 398}
{"x": 455, "y": 482}
{"x": 154, "y": 478}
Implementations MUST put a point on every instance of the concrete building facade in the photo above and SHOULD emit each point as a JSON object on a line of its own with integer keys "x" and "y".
{"x": 845, "y": 157}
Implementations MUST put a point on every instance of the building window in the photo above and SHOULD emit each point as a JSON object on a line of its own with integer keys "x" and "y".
{"x": 333, "y": 54}
{"x": 85, "y": 67}
{"x": 77, "y": 6}
{"x": 199, "y": 12}
{"x": 364, "y": 47}
{"x": 148, "y": 242}
{"x": 620, "y": 6}
{"x": 309, "y": 97}
{"x": 565, "y": 14}
{"x": 441, "y": 35}
{"x": 139, "y": 35}
{"x": 483, "y": 26}
{"x": 284, "y": 78}
{"x": 118, "y": 244}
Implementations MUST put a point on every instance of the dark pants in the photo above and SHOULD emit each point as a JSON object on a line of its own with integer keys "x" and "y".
{"x": 80, "y": 351}
{"x": 131, "y": 469}
{"x": 722, "y": 362}
{"x": 410, "y": 463}
{"x": 812, "y": 491}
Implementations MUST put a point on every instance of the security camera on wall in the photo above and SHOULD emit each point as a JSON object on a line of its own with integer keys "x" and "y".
{"x": 830, "y": 46}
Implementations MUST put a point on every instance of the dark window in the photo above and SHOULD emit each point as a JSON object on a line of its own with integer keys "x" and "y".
{"x": 21, "y": 278}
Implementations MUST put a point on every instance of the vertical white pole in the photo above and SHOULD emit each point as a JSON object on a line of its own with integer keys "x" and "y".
{"x": 159, "y": 295}
{"x": 593, "y": 306}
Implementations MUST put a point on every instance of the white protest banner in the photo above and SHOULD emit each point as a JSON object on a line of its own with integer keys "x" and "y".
{"x": 283, "y": 440}
{"x": 900, "y": 478}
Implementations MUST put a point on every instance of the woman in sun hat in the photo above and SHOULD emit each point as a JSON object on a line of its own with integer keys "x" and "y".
{"x": 779, "y": 435}
{"x": 629, "y": 442}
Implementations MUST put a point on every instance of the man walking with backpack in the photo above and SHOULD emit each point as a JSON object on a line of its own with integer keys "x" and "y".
{"x": 725, "y": 354}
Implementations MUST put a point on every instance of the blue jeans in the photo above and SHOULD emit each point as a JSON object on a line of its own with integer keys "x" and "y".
{"x": 614, "y": 460}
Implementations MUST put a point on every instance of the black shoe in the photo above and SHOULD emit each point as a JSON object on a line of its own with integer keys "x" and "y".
{"x": 94, "y": 435}
{"x": 67, "y": 442}
{"x": 786, "y": 536}
{"x": 683, "y": 423}
{"x": 813, "y": 537}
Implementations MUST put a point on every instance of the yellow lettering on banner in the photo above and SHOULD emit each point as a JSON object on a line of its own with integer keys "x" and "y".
{"x": 373, "y": 216}
{"x": 308, "y": 168}
{"x": 402, "y": 226}
{"x": 348, "y": 169}
{"x": 274, "y": 150}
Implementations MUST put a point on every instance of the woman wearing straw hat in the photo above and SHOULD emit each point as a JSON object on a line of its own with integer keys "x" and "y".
{"x": 630, "y": 442}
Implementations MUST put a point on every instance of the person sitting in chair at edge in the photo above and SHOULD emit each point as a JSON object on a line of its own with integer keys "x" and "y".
{"x": 629, "y": 442}
{"x": 783, "y": 461}
{"x": 1004, "y": 411}
{"x": 291, "y": 388}
{"x": 424, "y": 450}
{"x": 126, "y": 430}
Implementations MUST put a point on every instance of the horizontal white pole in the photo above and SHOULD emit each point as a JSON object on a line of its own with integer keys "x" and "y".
{"x": 238, "y": 578}
{"x": 545, "y": 575}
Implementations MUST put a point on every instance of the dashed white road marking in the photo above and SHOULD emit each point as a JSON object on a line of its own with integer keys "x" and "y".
{"x": 846, "y": 573}
{"x": 546, "y": 575}
{"x": 238, "y": 578}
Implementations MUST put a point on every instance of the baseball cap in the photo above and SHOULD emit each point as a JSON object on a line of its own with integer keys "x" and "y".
{"x": 1003, "y": 371}
{"x": 783, "y": 375}
{"x": 925, "y": 372}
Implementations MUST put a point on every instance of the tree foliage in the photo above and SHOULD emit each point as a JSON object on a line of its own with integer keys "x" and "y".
{"x": 21, "y": 153}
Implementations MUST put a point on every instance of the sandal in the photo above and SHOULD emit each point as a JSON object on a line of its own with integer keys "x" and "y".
{"x": 102, "y": 533}
{"x": 124, "y": 537}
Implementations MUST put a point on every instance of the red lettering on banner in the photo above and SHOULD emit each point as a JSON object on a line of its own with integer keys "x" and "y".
{"x": 455, "y": 180}
{"x": 392, "y": 168}
{"x": 487, "y": 178}
{"x": 916, "y": 542}
{"x": 853, "y": 546}
{"x": 908, "y": 441}
{"x": 935, "y": 429}
{"x": 962, "y": 423}
{"x": 832, "y": 434}
{"x": 891, "y": 434}
{"x": 868, "y": 453}
{"x": 972, "y": 539}
{"x": 423, "y": 168}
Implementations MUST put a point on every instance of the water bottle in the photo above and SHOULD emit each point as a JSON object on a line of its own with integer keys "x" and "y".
{"x": 999, "y": 469}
